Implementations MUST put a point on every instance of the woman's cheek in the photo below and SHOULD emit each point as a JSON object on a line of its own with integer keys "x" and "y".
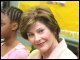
{"x": 46, "y": 35}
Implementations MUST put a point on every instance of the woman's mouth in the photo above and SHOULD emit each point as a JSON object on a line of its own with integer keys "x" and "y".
{"x": 41, "y": 44}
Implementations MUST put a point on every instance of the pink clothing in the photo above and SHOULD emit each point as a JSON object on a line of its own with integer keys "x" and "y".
{"x": 18, "y": 52}
{"x": 62, "y": 52}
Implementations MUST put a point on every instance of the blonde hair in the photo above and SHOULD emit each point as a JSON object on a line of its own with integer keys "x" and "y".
{"x": 42, "y": 14}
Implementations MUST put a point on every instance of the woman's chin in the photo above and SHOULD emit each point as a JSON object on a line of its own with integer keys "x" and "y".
{"x": 43, "y": 49}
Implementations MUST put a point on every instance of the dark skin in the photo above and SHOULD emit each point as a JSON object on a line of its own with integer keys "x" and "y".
{"x": 8, "y": 31}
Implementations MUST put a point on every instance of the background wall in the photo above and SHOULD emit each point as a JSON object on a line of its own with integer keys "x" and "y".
{"x": 67, "y": 15}
{"x": 14, "y": 3}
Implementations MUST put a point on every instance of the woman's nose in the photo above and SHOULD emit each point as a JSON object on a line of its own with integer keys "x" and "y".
{"x": 37, "y": 38}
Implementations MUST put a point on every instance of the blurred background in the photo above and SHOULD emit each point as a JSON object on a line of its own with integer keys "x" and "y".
{"x": 65, "y": 12}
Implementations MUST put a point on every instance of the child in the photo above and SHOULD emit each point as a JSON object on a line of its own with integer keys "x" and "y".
{"x": 11, "y": 48}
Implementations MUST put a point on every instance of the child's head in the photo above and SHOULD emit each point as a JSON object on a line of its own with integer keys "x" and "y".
{"x": 13, "y": 13}
{"x": 10, "y": 18}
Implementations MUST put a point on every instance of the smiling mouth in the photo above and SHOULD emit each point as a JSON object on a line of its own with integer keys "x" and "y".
{"x": 41, "y": 44}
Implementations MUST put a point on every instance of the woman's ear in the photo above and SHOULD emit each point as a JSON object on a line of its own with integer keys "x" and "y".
{"x": 14, "y": 26}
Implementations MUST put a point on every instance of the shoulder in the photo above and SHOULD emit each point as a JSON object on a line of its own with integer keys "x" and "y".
{"x": 19, "y": 52}
{"x": 68, "y": 54}
{"x": 21, "y": 49}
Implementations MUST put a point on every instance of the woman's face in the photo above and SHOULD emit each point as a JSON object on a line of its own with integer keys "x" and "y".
{"x": 5, "y": 26}
{"x": 40, "y": 36}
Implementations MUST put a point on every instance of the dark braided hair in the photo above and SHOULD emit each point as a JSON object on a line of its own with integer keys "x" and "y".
{"x": 14, "y": 13}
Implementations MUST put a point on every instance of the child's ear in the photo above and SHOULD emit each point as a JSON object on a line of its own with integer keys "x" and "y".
{"x": 14, "y": 26}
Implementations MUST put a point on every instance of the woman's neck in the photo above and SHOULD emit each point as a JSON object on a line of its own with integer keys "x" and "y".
{"x": 48, "y": 52}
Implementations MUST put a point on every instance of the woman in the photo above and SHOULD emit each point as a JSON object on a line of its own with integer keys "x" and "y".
{"x": 39, "y": 26}
{"x": 11, "y": 48}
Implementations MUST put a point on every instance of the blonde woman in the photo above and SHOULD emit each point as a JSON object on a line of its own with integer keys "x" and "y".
{"x": 40, "y": 27}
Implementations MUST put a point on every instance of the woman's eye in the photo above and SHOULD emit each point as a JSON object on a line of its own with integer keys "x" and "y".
{"x": 30, "y": 35}
{"x": 40, "y": 31}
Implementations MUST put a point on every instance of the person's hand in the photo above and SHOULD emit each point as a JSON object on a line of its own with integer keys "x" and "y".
{"x": 35, "y": 54}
